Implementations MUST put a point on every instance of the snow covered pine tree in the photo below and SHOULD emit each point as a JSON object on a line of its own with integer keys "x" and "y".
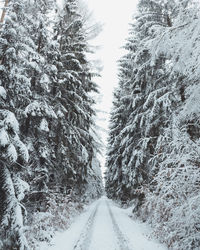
{"x": 157, "y": 149}
{"x": 76, "y": 146}
{"x": 45, "y": 82}
{"x": 142, "y": 90}
{"x": 14, "y": 84}
{"x": 12, "y": 188}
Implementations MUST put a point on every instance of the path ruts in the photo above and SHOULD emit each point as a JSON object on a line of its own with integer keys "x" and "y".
{"x": 122, "y": 241}
{"x": 83, "y": 243}
{"x": 84, "y": 240}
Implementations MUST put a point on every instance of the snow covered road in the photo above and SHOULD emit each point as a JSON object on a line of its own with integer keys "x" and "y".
{"x": 104, "y": 226}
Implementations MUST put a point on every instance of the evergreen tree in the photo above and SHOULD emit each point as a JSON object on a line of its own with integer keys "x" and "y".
{"x": 15, "y": 93}
{"x": 115, "y": 173}
{"x": 46, "y": 83}
{"x": 39, "y": 113}
{"x": 75, "y": 145}
{"x": 12, "y": 187}
{"x": 158, "y": 145}
{"x": 175, "y": 184}
{"x": 143, "y": 84}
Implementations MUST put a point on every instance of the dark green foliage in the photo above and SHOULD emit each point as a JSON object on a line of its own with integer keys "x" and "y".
{"x": 143, "y": 108}
{"x": 153, "y": 150}
{"x": 46, "y": 81}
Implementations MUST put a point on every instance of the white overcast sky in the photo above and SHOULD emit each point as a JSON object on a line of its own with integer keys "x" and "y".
{"x": 116, "y": 16}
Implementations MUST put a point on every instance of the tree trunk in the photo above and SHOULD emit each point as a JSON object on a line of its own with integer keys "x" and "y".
{"x": 4, "y": 11}
{"x": 2, "y": 18}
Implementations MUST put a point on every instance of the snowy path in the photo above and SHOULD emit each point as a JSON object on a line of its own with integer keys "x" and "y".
{"x": 105, "y": 227}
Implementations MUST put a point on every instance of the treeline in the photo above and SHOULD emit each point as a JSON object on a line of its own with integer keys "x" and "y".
{"x": 153, "y": 156}
{"x": 48, "y": 144}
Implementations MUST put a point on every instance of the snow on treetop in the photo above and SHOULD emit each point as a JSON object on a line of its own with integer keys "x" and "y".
{"x": 44, "y": 125}
{"x": 4, "y": 138}
{"x": 40, "y": 109}
{"x": 22, "y": 187}
{"x": 2, "y": 92}
{"x": 9, "y": 121}
{"x": 85, "y": 155}
{"x": 60, "y": 114}
{"x": 45, "y": 79}
{"x": 12, "y": 153}
{"x": 22, "y": 149}
{"x": 192, "y": 105}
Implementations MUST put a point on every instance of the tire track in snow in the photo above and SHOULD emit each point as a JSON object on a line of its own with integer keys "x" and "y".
{"x": 84, "y": 239}
{"x": 123, "y": 242}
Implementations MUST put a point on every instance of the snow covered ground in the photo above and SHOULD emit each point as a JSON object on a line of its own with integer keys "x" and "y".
{"x": 104, "y": 226}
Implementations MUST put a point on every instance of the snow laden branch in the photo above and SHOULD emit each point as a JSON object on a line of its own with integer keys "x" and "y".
{"x": 153, "y": 147}
{"x": 47, "y": 119}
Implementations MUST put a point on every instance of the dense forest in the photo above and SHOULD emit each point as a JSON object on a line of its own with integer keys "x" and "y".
{"x": 153, "y": 155}
{"x": 49, "y": 146}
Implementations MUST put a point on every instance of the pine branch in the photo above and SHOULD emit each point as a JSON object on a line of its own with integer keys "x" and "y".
{"x": 171, "y": 30}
